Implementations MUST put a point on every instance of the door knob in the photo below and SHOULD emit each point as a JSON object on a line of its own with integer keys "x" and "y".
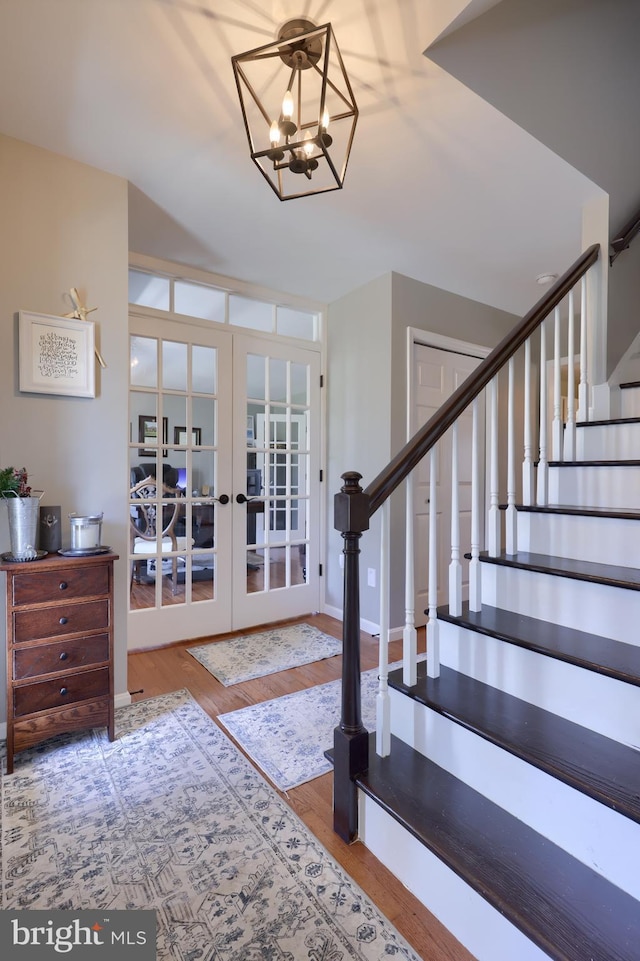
{"x": 223, "y": 499}
{"x": 243, "y": 499}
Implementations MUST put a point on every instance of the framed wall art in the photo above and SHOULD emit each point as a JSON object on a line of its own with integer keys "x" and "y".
{"x": 148, "y": 435}
{"x": 180, "y": 436}
{"x": 56, "y": 355}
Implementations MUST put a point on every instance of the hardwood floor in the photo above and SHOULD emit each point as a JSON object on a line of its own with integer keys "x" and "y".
{"x": 154, "y": 672}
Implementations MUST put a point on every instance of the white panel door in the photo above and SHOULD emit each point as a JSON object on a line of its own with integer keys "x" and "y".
{"x": 436, "y": 374}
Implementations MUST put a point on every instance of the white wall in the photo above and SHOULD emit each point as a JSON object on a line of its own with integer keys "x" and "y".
{"x": 64, "y": 225}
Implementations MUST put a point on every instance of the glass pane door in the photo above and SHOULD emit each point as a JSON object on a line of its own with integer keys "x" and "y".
{"x": 179, "y": 504}
{"x": 276, "y": 481}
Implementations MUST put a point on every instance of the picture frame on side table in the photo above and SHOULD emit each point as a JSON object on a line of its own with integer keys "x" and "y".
{"x": 56, "y": 355}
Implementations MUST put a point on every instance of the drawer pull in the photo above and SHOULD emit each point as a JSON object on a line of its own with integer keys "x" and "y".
{"x": 64, "y": 656}
{"x": 63, "y": 690}
{"x": 63, "y": 585}
{"x": 64, "y": 620}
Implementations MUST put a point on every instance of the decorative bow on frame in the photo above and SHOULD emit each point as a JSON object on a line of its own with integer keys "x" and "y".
{"x": 80, "y": 312}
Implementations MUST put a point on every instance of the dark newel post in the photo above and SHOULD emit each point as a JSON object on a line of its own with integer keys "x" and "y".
{"x": 350, "y": 739}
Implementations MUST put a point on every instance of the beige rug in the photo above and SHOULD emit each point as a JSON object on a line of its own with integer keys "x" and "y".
{"x": 172, "y": 817}
{"x": 267, "y": 652}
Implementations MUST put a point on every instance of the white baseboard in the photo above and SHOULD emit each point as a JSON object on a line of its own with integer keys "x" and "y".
{"x": 369, "y": 627}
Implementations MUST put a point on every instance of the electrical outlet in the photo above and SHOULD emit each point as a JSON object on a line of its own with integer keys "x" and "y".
{"x": 371, "y": 576}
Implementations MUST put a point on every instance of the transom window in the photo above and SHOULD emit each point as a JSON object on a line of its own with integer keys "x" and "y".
{"x": 220, "y": 305}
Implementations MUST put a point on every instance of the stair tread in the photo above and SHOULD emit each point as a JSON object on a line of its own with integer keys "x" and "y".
{"x": 603, "y": 462}
{"x": 628, "y": 513}
{"x": 561, "y": 905}
{"x": 590, "y": 651}
{"x": 607, "y": 423}
{"x": 591, "y": 763}
{"x": 611, "y": 574}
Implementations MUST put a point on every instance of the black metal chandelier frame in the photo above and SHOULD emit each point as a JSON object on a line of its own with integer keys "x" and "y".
{"x": 301, "y": 46}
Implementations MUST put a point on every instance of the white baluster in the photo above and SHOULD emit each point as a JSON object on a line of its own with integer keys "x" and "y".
{"x": 475, "y": 585}
{"x": 583, "y": 387}
{"x": 569, "y": 452}
{"x": 455, "y": 567}
{"x": 383, "y": 722}
{"x": 511, "y": 516}
{"x": 433, "y": 627}
{"x": 527, "y": 464}
{"x": 493, "y": 520}
{"x": 556, "y": 433}
{"x": 409, "y": 633}
{"x": 543, "y": 467}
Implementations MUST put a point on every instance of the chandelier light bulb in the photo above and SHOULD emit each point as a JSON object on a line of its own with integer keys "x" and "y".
{"x": 274, "y": 134}
{"x": 308, "y": 144}
{"x": 325, "y": 120}
{"x": 287, "y": 105}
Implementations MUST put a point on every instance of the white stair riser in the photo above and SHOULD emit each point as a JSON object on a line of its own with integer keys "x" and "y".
{"x": 588, "y": 486}
{"x": 602, "y": 704}
{"x": 471, "y": 919}
{"x": 595, "y": 608}
{"x": 630, "y": 402}
{"x": 604, "y": 540}
{"x": 586, "y": 829}
{"x": 608, "y": 442}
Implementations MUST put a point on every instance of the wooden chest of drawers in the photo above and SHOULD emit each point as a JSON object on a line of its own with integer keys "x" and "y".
{"x": 59, "y": 648}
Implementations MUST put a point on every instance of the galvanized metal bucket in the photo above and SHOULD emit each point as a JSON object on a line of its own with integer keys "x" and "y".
{"x": 23, "y": 514}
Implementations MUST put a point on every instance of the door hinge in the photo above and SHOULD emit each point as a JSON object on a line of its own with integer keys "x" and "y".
{"x": 322, "y": 380}
{"x": 321, "y": 476}
{"x": 320, "y": 570}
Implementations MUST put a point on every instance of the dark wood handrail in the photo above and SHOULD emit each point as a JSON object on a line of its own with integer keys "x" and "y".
{"x": 625, "y": 236}
{"x": 421, "y": 443}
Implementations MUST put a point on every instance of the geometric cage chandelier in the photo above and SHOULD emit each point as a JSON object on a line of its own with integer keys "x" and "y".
{"x": 298, "y": 108}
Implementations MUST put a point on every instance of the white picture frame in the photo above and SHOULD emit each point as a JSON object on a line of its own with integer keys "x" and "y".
{"x": 56, "y": 355}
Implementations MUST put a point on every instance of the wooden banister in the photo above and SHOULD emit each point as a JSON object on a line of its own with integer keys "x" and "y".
{"x": 625, "y": 236}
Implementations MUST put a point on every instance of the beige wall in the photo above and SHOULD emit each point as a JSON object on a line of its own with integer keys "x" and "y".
{"x": 358, "y": 416}
{"x": 64, "y": 225}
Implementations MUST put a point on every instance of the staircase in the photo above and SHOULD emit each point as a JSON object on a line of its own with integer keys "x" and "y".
{"x": 510, "y": 800}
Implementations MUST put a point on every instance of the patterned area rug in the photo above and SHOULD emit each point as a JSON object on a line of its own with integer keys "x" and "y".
{"x": 172, "y": 817}
{"x": 255, "y": 655}
{"x": 287, "y": 736}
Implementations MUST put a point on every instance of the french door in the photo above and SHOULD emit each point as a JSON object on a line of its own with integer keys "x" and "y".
{"x": 228, "y": 425}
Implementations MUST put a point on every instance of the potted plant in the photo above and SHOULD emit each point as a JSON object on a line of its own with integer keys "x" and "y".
{"x": 13, "y": 482}
{"x": 22, "y": 512}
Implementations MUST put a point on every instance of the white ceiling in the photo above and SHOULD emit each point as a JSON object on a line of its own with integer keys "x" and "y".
{"x": 439, "y": 182}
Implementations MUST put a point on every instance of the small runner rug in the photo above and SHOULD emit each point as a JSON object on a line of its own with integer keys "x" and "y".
{"x": 172, "y": 817}
{"x": 255, "y": 655}
{"x": 287, "y": 736}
